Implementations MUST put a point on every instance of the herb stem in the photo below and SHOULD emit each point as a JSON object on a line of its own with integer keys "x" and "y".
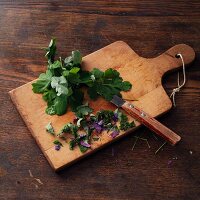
{"x": 160, "y": 148}
{"x": 134, "y": 143}
{"x": 148, "y": 144}
{"x": 144, "y": 139}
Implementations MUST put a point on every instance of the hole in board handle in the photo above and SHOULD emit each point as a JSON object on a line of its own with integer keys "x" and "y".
{"x": 177, "y": 55}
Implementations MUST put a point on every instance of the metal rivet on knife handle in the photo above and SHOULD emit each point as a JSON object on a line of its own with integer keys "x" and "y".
{"x": 131, "y": 105}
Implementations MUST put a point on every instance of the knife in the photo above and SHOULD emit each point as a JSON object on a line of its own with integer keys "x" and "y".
{"x": 147, "y": 120}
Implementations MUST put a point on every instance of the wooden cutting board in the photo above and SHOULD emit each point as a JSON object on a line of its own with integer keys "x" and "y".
{"x": 147, "y": 93}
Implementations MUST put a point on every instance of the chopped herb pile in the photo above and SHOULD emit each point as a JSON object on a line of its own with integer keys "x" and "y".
{"x": 87, "y": 127}
{"x": 61, "y": 84}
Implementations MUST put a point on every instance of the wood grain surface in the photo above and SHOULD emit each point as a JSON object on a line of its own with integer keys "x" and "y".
{"x": 117, "y": 172}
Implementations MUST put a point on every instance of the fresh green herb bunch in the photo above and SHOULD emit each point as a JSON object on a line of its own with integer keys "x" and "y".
{"x": 62, "y": 82}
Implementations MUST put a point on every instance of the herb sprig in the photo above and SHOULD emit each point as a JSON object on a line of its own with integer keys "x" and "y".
{"x": 61, "y": 84}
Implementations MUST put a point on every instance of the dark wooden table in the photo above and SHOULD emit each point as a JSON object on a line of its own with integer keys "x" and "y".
{"x": 116, "y": 172}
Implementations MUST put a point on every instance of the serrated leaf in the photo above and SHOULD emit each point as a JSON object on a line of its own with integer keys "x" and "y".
{"x": 97, "y": 73}
{"x": 107, "y": 84}
{"x": 126, "y": 86}
{"x": 76, "y": 57}
{"x": 83, "y": 110}
{"x": 42, "y": 83}
{"x": 111, "y": 73}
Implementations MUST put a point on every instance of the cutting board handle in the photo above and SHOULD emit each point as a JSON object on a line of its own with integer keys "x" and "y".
{"x": 168, "y": 60}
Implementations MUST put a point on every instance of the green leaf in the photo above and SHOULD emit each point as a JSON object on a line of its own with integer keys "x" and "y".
{"x": 76, "y": 57}
{"x": 107, "y": 84}
{"x": 126, "y": 86}
{"x": 97, "y": 73}
{"x": 73, "y": 61}
{"x": 60, "y": 85}
{"x": 68, "y": 60}
{"x": 55, "y": 81}
{"x": 124, "y": 123}
{"x": 42, "y": 83}
{"x": 60, "y": 104}
{"x": 83, "y": 110}
{"x": 49, "y": 95}
{"x": 61, "y": 89}
{"x": 74, "y": 78}
{"x": 50, "y": 110}
{"x": 57, "y": 142}
{"x": 76, "y": 99}
{"x": 69, "y": 128}
{"x": 55, "y": 65}
{"x": 83, "y": 149}
{"x": 74, "y": 70}
{"x": 111, "y": 73}
{"x": 65, "y": 72}
{"x": 86, "y": 78}
{"x": 49, "y": 129}
{"x": 72, "y": 144}
{"x": 92, "y": 92}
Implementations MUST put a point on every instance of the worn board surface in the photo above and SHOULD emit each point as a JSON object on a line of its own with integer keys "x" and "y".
{"x": 147, "y": 92}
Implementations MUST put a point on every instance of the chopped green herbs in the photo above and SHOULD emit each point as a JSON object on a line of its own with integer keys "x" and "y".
{"x": 63, "y": 80}
{"x": 87, "y": 127}
{"x": 69, "y": 128}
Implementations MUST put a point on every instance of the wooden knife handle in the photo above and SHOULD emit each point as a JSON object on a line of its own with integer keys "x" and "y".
{"x": 151, "y": 123}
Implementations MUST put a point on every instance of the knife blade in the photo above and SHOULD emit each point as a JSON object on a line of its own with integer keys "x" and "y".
{"x": 146, "y": 120}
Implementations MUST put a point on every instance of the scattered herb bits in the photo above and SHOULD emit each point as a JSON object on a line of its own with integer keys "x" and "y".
{"x": 87, "y": 127}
